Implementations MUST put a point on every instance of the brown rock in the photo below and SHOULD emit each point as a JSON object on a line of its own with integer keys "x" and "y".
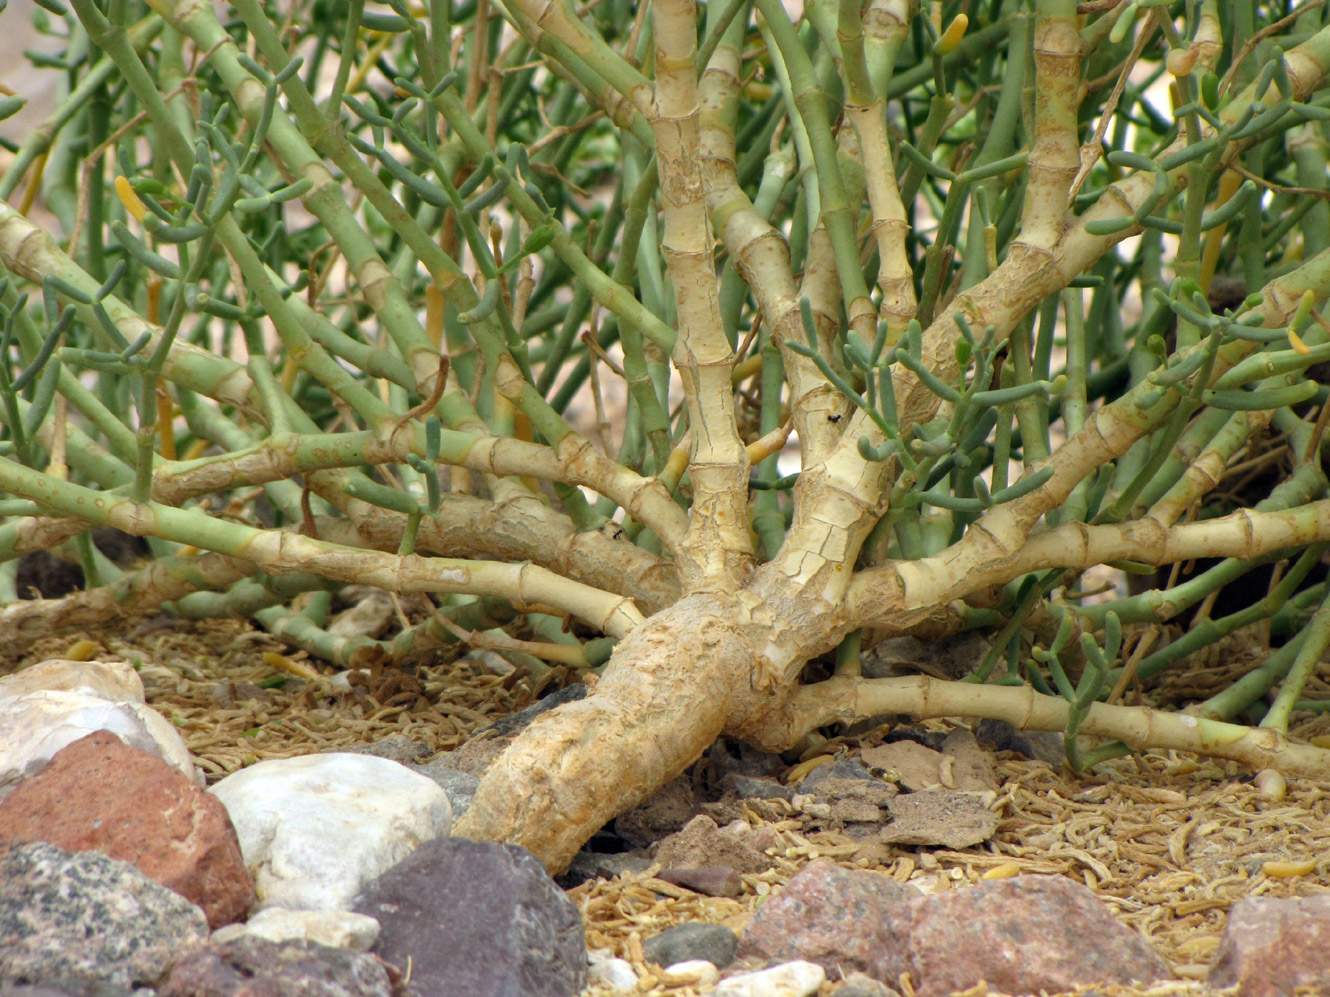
{"x": 666, "y": 811}
{"x": 1019, "y": 935}
{"x": 913, "y": 765}
{"x": 938, "y": 817}
{"x": 255, "y": 967}
{"x": 855, "y": 811}
{"x": 848, "y": 779}
{"x": 712, "y": 880}
{"x": 973, "y": 768}
{"x": 845, "y": 795}
{"x": 702, "y": 843}
{"x": 825, "y": 914}
{"x": 763, "y": 838}
{"x": 1275, "y": 946}
{"x": 227, "y": 693}
{"x": 99, "y": 794}
{"x": 727, "y": 812}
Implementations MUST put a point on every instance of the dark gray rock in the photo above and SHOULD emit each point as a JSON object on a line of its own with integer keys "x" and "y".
{"x": 73, "y": 988}
{"x": 474, "y": 917}
{"x": 859, "y": 985}
{"x": 486, "y": 744}
{"x": 249, "y": 966}
{"x": 460, "y": 786}
{"x": 713, "y": 942}
{"x": 663, "y": 813}
{"x": 749, "y": 787}
{"x": 517, "y": 721}
{"x": 1274, "y": 946}
{"x": 601, "y": 865}
{"x": 1041, "y": 745}
{"x": 727, "y": 756}
{"x": 950, "y": 657}
{"x": 841, "y": 768}
{"x": 934, "y": 739}
{"x": 396, "y": 748}
{"x": 84, "y": 917}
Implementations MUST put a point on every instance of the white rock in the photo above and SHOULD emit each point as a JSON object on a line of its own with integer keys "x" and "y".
{"x": 490, "y": 661}
{"x": 692, "y": 971}
{"x": 315, "y": 830}
{"x": 113, "y": 680}
{"x": 51, "y": 705}
{"x": 341, "y": 682}
{"x": 340, "y": 929}
{"x": 227, "y": 933}
{"x": 790, "y": 979}
{"x": 604, "y": 969}
{"x": 368, "y": 618}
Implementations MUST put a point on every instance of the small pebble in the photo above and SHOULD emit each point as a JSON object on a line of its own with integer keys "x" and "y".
{"x": 713, "y": 880}
{"x": 859, "y": 985}
{"x": 694, "y": 972}
{"x": 604, "y": 968}
{"x": 685, "y": 942}
{"x": 339, "y": 929}
{"x": 790, "y": 979}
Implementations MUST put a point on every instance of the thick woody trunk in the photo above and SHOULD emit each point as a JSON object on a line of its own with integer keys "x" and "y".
{"x": 711, "y": 664}
{"x": 664, "y": 698}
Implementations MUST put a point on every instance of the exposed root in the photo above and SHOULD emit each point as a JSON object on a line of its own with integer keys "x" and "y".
{"x": 847, "y": 698}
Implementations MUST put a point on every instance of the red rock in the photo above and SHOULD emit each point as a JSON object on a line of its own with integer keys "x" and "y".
{"x": 825, "y": 914}
{"x": 1275, "y": 946}
{"x": 100, "y": 794}
{"x": 1019, "y": 935}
